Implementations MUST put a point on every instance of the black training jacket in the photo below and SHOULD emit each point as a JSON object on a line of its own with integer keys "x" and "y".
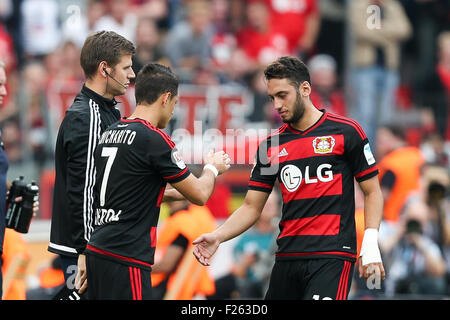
{"x": 79, "y": 133}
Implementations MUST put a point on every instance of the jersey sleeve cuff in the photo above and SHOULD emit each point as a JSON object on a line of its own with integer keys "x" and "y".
{"x": 179, "y": 176}
{"x": 260, "y": 186}
{"x": 366, "y": 174}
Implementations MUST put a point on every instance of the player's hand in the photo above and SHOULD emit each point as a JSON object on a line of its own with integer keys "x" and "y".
{"x": 369, "y": 261}
{"x": 81, "y": 277}
{"x": 206, "y": 246}
{"x": 370, "y": 269}
{"x": 219, "y": 159}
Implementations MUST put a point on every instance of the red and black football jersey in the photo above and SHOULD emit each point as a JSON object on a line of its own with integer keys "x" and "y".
{"x": 316, "y": 169}
{"x": 134, "y": 161}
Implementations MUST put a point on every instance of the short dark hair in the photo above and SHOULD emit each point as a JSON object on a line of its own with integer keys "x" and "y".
{"x": 152, "y": 81}
{"x": 290, "y": 68}
{"x": 103, "y": 46}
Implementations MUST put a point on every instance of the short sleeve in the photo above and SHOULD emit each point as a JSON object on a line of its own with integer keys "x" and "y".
{"x": 167, "y": 159}
{"x": 264, "y": 173}
{"x": 359, "y": 154}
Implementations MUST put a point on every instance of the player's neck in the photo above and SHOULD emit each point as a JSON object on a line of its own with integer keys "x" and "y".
{"x": 309, "y": 118}
{"x": 98, "y": 87}
{"x": 147, "y": 113}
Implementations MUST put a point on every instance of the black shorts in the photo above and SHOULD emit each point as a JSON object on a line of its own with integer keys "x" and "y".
{"x": 110, "y": 280}
{"x": 307, "y": 279}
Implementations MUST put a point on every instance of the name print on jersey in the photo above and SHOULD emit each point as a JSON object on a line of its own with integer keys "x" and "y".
{"x": 103, "y": 216}
{"x": 118, "y": 136}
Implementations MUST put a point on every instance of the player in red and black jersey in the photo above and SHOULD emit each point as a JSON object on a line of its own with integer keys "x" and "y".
{"x": 315, "y": 156}
{"x": 134, "y": 161}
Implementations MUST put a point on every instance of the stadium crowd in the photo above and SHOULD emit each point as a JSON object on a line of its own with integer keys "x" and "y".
{"x": 385, "y": 63}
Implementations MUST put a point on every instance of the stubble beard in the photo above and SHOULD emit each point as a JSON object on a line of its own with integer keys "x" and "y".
{"x": 299, "y": 110}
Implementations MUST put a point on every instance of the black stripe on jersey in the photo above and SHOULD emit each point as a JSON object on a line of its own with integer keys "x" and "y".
{"x": 351, "y": 122}
{"x": 308, "y": 208}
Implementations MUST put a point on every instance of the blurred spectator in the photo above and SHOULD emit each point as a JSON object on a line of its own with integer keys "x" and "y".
{"x": 263, "y": 110}
{"x": 147, "y": 44}
{"x": 430, "y": 18}
{"x": 258, "y": 39}
{"x": 326, "y": 93}
{"x": 70, "y": 64}
{"x": 119, "y": 18}
{"x": 432, "y": 198}
{"x": 237, "y": 14}
{"x": 253, "y": 252}
{"x": 12, "y": 141}
{"x": 332, "y": 30}
{"x": 41, "y": 29}
{"x": 435, "y": 91}
{"x": 11, "y": 17}
{"x": 435, "y": 183}
{"x": 415, "y": 262}
{"x": 16, "y": 257}
{"x": 80, "y": 24}
{"x": 399, "y": 167}
{"x": 436, "y": 150}
{"x": 376, "y": 59}
{"x": 34, "y": 112}
{"x": 176, "y": 275}
{"x": 299, "y": 21}
{"x": 157, "y": 10}
{"x": 7, "y": 52}
{"x": 220, "y": 15}
{"x": 187, "y": 44}
{"x": 238, "y": 67}
{"x": 223, "y": 42}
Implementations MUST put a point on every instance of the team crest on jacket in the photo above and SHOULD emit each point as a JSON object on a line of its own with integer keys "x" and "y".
{"x": 324, "y": 144}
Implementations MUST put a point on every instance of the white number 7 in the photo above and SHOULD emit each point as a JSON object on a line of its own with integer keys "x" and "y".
{"x": 109, "y": 152}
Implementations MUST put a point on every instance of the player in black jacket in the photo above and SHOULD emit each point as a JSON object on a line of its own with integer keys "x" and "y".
{"x": 315, "y": 156}
{"x": 106, "y": 62}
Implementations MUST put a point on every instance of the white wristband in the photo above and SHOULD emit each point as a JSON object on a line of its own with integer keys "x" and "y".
{"x": 370, "y": 253}
{"x": 212, "y": 168}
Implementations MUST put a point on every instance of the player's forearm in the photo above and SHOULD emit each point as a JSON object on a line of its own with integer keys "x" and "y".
{"x": 207, "y": 181}
{"x": 373, "y": 209}
{"x": 241, "y": 220}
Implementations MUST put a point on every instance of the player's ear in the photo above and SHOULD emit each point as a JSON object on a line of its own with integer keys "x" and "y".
{"x": 166, "y": 98}
{"x": 305, "y": 89}
{"x": 102, "y": 69}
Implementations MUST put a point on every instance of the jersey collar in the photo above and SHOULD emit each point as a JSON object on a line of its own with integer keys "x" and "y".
{"x": 311, "y": 128}
{"x": 98, "y": 98}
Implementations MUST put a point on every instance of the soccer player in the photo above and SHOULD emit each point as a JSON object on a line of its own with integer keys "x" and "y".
{"x": 106, "y": 62}
{"x": 316, "y": 156}
{"x": 134, "y": 161}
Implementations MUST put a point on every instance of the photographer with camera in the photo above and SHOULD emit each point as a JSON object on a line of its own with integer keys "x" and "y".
{"x": 34, "y": 205}
{"x": 414, "y": 248}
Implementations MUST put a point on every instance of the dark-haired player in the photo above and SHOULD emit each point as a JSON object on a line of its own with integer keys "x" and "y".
{"x": 134, "y": 162}
{"x": 316, "y": 156}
